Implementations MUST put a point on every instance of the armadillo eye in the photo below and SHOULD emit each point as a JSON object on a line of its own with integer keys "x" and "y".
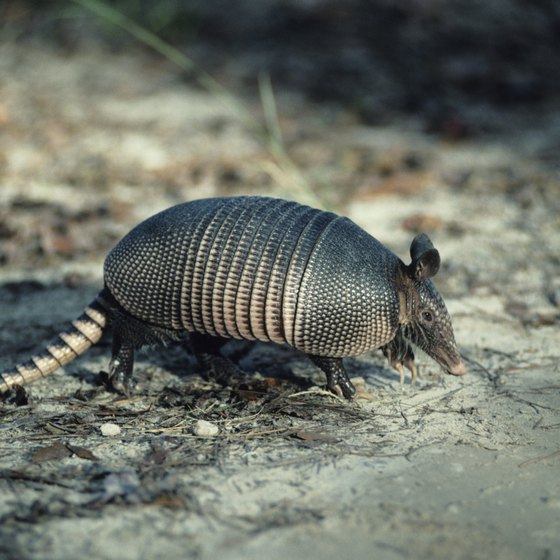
{"x": 427, "y": 316}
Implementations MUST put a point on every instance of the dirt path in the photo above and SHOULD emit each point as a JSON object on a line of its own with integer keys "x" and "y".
{"x": 450, "y": 468}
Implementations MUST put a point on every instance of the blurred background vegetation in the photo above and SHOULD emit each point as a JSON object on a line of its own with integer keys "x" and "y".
{"x": 113, "y": 109}
{"x": 446, "y": 60}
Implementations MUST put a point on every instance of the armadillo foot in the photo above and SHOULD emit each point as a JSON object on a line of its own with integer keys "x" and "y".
{"x": 120, "y": 378}
{"x": 400, "y": 355}
{"x": 337, "y": 378}
{"x": 219, "y": 368}
{"x": 120, "y": 383}
{"x": 207, "y": 350}
{"x": 411, "y": 366}
{"x": 399, "y": 367}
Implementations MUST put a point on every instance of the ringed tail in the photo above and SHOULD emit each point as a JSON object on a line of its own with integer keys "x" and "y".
{"x": 85, "y": 331}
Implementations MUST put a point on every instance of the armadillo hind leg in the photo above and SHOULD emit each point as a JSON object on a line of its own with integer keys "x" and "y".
{"x": 122, "y": 363}
{"x": 130, "y": 334}
{"x": 207, "y": 350}
{"x": 337, "y": 378}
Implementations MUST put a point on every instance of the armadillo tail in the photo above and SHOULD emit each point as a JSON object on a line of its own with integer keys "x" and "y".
{"x": 85, "y": 331}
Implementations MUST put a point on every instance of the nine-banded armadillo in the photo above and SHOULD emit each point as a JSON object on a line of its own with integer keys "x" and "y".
{"x": 259, "y": 268}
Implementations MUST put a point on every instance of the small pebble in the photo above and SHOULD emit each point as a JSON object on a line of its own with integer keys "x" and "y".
{"x": 205, "y": 428}
{"x": 109, "y": 429}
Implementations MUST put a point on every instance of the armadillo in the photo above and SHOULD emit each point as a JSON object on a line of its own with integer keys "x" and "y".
{"x": 259, "y": 268}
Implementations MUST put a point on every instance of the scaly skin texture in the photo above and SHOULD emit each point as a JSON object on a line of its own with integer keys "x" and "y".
{"x": 258, "y": 268}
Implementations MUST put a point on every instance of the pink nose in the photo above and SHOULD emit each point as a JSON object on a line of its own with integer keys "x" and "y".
{"x": 458, "y": 369}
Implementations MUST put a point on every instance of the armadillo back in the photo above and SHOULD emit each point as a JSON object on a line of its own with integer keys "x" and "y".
{"x": 258, "y": 268}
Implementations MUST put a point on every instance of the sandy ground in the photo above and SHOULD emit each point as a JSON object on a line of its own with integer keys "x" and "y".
{"x": 450, "y": 468}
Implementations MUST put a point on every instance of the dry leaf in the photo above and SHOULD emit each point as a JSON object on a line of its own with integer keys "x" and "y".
{"x": 315, "y": 436}
{"x": 83, "y": 453}
{"x": 422, "y": 222}
{"x": 53, "y": 452}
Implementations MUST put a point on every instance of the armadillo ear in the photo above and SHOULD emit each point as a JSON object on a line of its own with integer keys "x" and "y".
{"x": 425, "y": 258}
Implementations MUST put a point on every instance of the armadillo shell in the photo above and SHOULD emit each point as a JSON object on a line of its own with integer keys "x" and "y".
{"x": 259, "y": 268}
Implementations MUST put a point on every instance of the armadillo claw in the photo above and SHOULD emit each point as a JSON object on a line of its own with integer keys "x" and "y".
{"x": 346, "y": 386}
{"x": 399, "y": 367}
{"x": 401, "y": 356}
{"x": 337, "y": 378}
{"x": 411, "y": 366}
{"x": 121, "y": 383}
{"x": 219, "y": 368}
{"x": 117, "y": 383}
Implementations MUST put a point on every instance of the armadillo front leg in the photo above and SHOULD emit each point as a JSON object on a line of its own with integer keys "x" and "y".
{"x": 400, "y": 355}
{"x": 410, "y": 364}
{"x": 337, "y": 378}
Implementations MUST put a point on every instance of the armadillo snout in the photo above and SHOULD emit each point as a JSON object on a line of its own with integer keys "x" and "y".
{"x": 457, "y": 369}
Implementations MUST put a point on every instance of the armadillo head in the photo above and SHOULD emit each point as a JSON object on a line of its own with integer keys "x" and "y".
{"x": 424, "y": 318}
